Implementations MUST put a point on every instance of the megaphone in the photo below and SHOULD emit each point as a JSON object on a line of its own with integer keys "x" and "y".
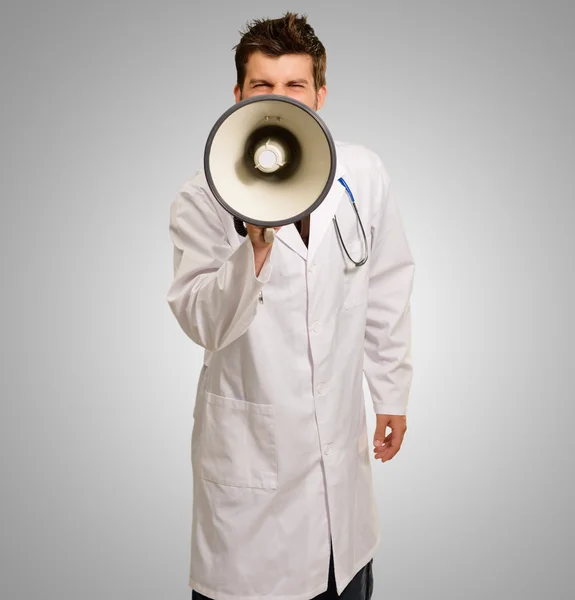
{"x": 269, "y": 160}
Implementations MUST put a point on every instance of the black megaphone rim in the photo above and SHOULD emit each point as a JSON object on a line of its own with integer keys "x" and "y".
{"x": 262, "y": 98}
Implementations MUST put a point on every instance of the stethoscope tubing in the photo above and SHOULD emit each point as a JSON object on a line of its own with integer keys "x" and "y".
{"x": 365, "y": 255}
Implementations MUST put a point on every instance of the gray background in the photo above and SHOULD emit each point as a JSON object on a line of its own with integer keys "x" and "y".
{"x": 105, "y": 111}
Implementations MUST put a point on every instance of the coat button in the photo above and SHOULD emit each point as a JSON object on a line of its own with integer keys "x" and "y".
{"x": 327, "y": 449}
{"x": 311, "y": 267}
{"x": 321, "y": 388}
{"x": 316, "y": 327}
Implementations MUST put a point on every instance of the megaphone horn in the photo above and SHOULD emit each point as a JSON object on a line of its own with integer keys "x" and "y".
{"x": 269, "y": 160}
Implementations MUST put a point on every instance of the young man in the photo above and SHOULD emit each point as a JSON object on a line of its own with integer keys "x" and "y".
{"x": 283, "y": 503}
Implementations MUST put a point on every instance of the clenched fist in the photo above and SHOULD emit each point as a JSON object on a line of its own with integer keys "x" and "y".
{"x": 261, "y": 247}
{"x": 256, "y": 235}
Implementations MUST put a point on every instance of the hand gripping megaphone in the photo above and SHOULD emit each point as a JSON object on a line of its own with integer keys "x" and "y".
{"x": 269, "y": 160}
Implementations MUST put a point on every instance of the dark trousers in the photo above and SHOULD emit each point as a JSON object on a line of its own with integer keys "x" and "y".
{"x": 359, "y": 588}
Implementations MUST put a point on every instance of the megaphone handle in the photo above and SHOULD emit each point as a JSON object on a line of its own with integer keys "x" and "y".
{"x": 269, "y": 234}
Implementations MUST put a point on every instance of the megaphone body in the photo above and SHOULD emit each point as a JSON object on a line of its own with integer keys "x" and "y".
{"x": 270, "y": 161}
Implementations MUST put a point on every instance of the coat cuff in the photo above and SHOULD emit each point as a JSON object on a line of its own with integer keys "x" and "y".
{"x": 386, "y": 409}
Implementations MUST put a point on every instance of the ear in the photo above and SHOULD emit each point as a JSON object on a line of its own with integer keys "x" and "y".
{"x": 320, "y": 96}
{"x": 237, "y": 93}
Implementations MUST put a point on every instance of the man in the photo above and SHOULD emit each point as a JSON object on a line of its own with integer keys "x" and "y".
{"x": 283, "y": 504}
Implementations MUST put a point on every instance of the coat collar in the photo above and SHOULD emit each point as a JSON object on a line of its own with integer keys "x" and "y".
{"x": 320, "y": 219}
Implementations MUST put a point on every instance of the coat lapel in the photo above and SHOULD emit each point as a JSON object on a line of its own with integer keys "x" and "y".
{"x": 320, "y": 220}
{"x": 290, "y": 236}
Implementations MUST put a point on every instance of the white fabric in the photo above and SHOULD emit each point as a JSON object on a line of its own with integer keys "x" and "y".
{"x": 281, "y": 456}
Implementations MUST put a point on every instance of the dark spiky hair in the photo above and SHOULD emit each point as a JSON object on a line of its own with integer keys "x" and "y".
{"x": 290, "y": 34}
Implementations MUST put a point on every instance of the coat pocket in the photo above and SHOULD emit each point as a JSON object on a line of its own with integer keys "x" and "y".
{"x": 355, "y": 278}
{"x": 238, "y": 443}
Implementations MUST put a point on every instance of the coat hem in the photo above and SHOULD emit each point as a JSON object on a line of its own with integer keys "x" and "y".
{"x": 361, "y": 564}
{"x": 214, "y": 595}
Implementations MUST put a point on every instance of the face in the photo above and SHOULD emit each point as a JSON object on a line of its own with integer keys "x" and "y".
{"x": 287, "y": 75}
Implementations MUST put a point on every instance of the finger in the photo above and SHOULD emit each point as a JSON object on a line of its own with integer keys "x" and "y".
{"x": 384, "y": 459}
{"x": 387, "y": 454}
{"x": 384, "y": 444}
{"x": 395, "y": 437}
{"x": 384, "y": 450}
{"x": 390, "y": 449}
{"x": 379, "y": 437}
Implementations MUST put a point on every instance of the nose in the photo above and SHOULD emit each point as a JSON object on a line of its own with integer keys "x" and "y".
{"x": 280, "y": 90}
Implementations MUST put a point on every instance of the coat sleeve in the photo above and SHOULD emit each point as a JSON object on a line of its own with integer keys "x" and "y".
{"x": 214, "y": 292}
{"x": 387, "y": 347}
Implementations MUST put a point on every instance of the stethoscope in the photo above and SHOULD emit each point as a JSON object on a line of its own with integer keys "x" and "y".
{"x": 241, "y": 229}
{"x": 365, "y": 254}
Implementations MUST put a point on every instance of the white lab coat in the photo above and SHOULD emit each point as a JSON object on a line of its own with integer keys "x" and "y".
{"x": 281, "y": 456}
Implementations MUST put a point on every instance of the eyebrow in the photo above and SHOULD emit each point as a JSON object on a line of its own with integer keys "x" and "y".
{"x": 253, "y": 81}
